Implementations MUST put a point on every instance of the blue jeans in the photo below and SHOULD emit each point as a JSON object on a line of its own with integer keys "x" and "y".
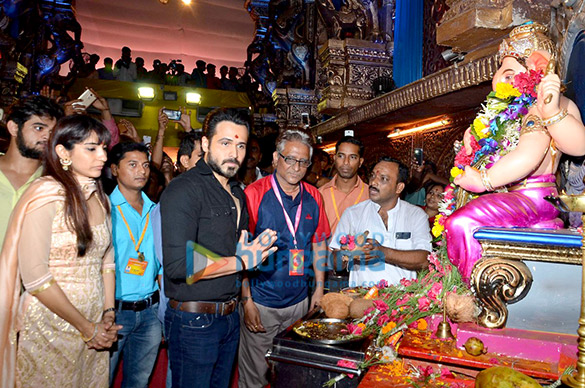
{"x": 138, "y": 343}
{"x": 202, "y": 347}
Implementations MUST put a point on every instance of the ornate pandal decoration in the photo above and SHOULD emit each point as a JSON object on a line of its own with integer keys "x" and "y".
{"x": 497, "y": 282}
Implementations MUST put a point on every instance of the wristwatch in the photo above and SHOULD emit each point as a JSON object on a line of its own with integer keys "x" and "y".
{"x": 111, "y": 309}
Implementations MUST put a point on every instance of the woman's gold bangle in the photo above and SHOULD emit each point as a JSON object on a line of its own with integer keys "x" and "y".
{"x": 95, "y": 332}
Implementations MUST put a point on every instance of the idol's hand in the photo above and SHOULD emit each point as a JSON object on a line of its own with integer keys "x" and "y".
{"x": 470, "y": 180}
{"x": 549, "y": 86}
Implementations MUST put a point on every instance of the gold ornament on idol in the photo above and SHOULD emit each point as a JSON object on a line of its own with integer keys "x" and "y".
{"x": 524, "y": 40}
{"x": 65, "y": 163}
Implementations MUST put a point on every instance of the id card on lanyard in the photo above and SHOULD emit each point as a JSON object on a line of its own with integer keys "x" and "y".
{"x": 296, "y": 259}
{"x": 135, "y": 266}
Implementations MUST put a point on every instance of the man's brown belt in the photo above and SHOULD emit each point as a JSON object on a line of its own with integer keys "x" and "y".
{"x": 220, "y": 308}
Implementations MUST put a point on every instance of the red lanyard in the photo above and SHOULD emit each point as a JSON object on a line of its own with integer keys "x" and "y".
{"x": 293, "y": 230}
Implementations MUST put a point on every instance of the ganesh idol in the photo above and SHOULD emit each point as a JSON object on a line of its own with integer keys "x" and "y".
{"x": 512, "y": 150}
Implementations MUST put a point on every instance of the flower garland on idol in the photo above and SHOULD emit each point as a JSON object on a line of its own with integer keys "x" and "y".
{"x": 494, "y": 133}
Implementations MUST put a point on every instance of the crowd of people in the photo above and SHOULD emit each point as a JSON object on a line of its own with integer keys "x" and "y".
{"x": 204, "y": 75}
{"x": 100, "y": 226}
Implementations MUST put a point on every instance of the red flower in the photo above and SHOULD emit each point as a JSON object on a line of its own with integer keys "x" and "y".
{"x": 434, "y": 260}
{"x": 351, "y": 242}
{"x": 383, "y": 307}
{"x": 384, "y": 319}
{"x": 382, "y": 284}
{"x": 526, "y": 82}
{"x": 405, "y": 282}
{"x": 354, "y": 329}
{"x": 424, "y": 303}
{"x": 462, "y": 159}
{"x": 435, "y": 290}
{"x": 448, "y": 195}
{"x": 446, "y": 373}
{"x": 426, "y": 372}
{"x": 347, "y": 364}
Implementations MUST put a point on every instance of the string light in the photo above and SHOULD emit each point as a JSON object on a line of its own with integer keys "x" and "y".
{"x": 435, "y": 124}
{"x": 329, "y": 148}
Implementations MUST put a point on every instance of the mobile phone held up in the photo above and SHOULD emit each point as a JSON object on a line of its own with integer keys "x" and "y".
{"x": 172, "y": 114}
{"x": 87, "y": 98}
{"x": 418, "y": 156}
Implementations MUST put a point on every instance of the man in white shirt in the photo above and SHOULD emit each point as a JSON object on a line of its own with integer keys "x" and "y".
{"x": 399, "y": 239}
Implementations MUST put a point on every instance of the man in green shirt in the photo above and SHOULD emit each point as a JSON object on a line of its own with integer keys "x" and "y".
{"x": 29, "y": 122}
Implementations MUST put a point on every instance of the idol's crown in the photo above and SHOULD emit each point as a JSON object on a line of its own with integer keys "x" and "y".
{"x": 524, "y": 40}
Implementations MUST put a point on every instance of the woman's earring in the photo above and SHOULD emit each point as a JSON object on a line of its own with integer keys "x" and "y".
{"x": 65, "y": 163}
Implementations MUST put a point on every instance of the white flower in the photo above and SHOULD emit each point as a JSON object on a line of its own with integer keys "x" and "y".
{"x": 388, "y": 354}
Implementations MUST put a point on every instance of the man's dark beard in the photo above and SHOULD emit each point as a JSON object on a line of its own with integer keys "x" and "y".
{"x": 217, "y": 168}
{"x": 26, "y": 151}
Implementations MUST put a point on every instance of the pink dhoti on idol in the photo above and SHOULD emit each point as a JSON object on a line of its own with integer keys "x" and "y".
{"x": 523, "y": 206}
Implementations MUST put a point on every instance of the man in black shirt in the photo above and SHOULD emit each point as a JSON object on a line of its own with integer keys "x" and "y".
{"x": 204, "y": 206}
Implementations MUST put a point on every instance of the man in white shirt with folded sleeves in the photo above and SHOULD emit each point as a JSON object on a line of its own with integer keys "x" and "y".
{"x": 398, "y": 240}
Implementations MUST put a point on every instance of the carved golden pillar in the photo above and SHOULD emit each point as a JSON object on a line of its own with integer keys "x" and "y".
{"x": 350, "y": 67}
{"x": 290, "y": 103}
{"x": 478, "y": 26}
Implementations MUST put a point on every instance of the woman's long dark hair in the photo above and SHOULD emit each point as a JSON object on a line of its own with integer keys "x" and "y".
{"x": 69, "y": 131}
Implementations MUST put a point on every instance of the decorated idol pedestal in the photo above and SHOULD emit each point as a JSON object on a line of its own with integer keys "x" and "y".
{"x": 527, "y": 285}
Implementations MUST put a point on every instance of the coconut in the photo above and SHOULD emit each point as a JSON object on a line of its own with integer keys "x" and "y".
{"x": 336, "y": 305}
{"x": 358, "y": 306}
